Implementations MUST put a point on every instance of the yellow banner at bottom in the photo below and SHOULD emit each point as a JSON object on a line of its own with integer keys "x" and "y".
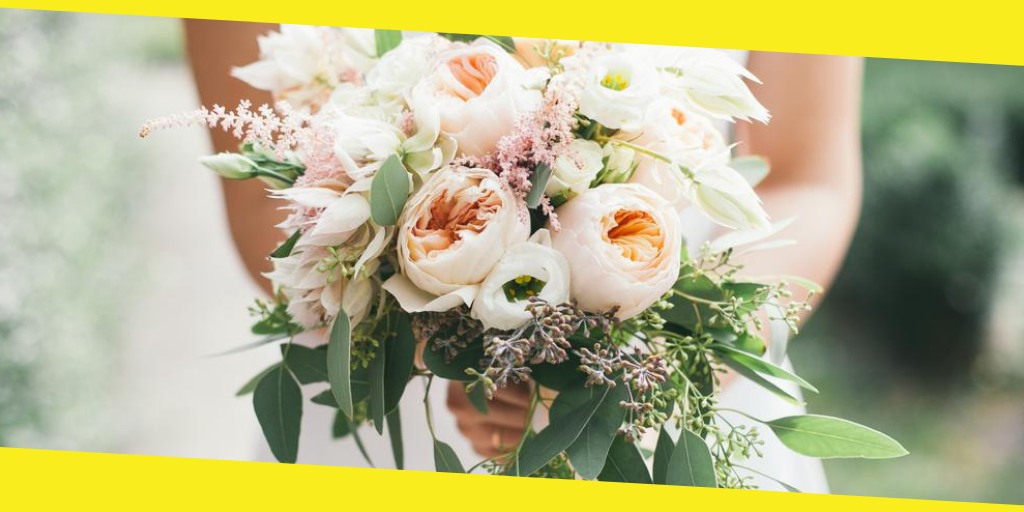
{"x": 34, "y": 479}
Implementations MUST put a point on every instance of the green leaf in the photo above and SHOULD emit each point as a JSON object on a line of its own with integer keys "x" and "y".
{"x": 562, "y": 432}
{"x": 394, "y": 419}
{"x": 590, "y": 450}
{"x": 478, "y": 398}
{"x": 285, "y": 249}
{"x": 401, "y": 353}
{"x": 468, "y": 357}
{"x": 826, "y": 437}
{"x": 278, "y": 404}
{"x": 752, "y": 168}
{"x": 340, "y": 428}
{"x": 729, "y": 354}
{"x": 445, "y": 460}
{"x": 625, "y": 464}
{"x": 761, "y": 381}
{"x": 377, "y": 368}
{"x": 389, "y": 191}
{"x": 359, "y": 440}
{"x": 662, "y": 455}
{"x": 308, "y": 364}
{"x": 538, "y": 182}
{"x": 386, "y": 40}
{"x": 691, "y": 464}
{"x": 250, "y": 386}
{"x": 339, "y": 362}
{"x": 507, "y": 43}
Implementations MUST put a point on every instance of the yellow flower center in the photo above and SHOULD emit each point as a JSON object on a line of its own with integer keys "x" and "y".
{"x": 615, "y": 81}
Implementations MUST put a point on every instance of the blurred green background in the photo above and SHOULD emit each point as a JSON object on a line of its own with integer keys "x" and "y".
{"x": 922, "y": 337}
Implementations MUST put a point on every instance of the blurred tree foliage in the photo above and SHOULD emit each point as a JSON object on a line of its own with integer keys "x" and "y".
{"x": 942, "y": 147}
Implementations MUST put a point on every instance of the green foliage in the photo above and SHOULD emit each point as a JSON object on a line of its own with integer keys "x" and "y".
{"x": 386, "y": 40}
{"x": 278, "y": 404}
{"x": 389, "y": 191}
{"x": 339, "y": 362}
{"x": 827, "y": 437}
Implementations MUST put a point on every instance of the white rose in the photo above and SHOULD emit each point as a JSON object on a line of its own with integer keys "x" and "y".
{"x": 399, "y": 70}
{"x": 618, "y": 90}
{"x": 688, "y": 139}
{"x": 726, "y": 197}
{"x": 452, "y": 233}
{"x": 531, "y": 263}
{"x": 478, "y": 92}
{"x": 710, "y": 82}
{"x": 623, "y": 245}
{"x": 361, "y": 144}
{"x": 575, "y": 169}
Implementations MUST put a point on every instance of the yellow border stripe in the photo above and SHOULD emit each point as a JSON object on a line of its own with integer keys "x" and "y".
{"x": 42, "y": 479}
{"x": 978, "y": 31}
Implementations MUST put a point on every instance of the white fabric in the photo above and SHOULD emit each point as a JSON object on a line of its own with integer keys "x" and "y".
{"x": 317, "y": 447}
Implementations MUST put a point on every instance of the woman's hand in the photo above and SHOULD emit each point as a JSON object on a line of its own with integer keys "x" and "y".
{"x": 497, "y": 432}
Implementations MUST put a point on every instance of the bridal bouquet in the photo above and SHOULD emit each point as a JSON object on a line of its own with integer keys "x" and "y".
{"x": 515, "y": 210}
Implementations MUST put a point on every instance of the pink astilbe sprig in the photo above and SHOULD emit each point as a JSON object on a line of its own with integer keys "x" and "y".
{"x": 280, "y": 128}
{"x": 540, "y": 137}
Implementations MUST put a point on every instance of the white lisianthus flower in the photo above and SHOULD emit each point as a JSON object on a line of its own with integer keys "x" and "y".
{"x": 618, "y": 90}
{"x": 721, "y": 193}
{"x": 532, "y": 262}
{"x": 576, "y": 169}
{"x": 230, "y": 166}
{"x": 687, "y": 138}
{"x": 453, "y": 232}
{"x": 623, "y": 243}
{"x": 478, "y": 92}
{"x": 710, "y": 83}
{"x": 358, "y": 49}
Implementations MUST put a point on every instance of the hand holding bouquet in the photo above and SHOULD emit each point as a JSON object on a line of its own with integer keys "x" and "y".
{"x": 514, "y": 207}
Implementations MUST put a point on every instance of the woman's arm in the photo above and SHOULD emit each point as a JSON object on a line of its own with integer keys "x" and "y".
{"x": 214, "y": 47}
{"x": 813, "y": 146}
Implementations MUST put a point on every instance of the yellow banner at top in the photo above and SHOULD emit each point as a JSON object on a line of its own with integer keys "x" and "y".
{"x": 981, "y": 32}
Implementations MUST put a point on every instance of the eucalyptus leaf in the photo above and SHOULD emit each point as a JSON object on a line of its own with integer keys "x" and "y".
{"x": 401, "y": 353}
{"x": 386, "y": 40}
{"x": 763, "y": 382}
{"x": 538, "y": 182}
{"x": 478, "y": 398}
{"x": 308, "y": 364}
{"x": 377, "y": 368}
{"x": 662, "y": 455}
{"x": 250, "y": 386}
{"x": 278, "y": 404}
{"x": 467, "y": 357}
{"x": 564, "y": 429}
{"x": 625, "y": 464}
{"x": 445, "y": 460}
{"x": 826, "y": 437}
{"x": 394, "y": 421}
{"x": 339, "y": 362}
{"x": 730, "y": 354}
{"x": 590, "y": 450}
{"x": 691, "y": 463}
{"x": 359, "y": 441}
{"x": 506, "y": 42}
{"x": 754, "y": 169}
{"x": 340, "y": 428}
{"x": 285, "y": 249}
{"x": 388, "y": 192}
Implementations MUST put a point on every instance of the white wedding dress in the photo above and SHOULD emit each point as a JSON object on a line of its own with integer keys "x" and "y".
{"x": 317, "y": 447}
